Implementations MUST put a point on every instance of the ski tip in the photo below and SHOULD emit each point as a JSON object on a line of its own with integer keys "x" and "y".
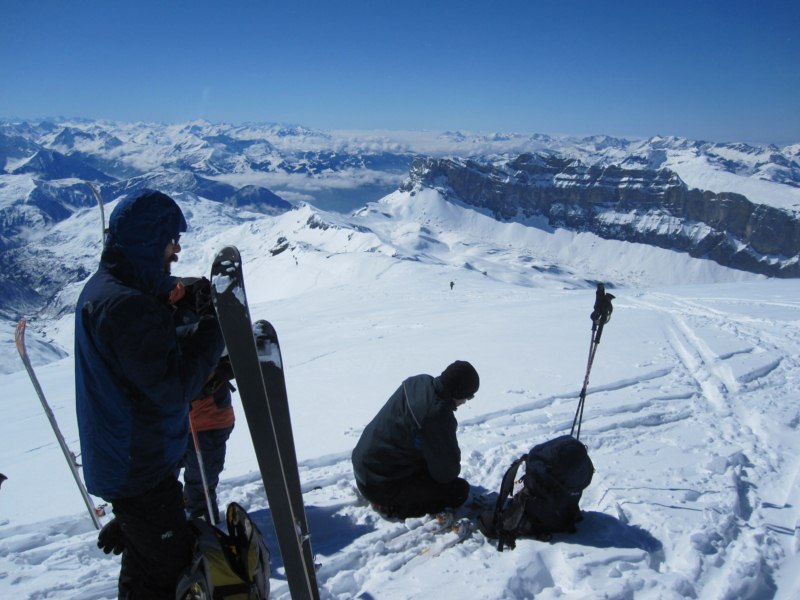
{"x": 228, "y": 253}
{"x": 19, "y": 336}
{"x": 226, "y": 274}
{"x": 264, "y": 329}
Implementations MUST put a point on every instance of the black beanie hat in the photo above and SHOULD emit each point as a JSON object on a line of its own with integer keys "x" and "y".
{"x": 460, "y": 380}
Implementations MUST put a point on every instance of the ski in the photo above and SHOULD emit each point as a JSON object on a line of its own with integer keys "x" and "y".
{"x": 418, "y": 532}
{"x": 269, "y": 356}
{"x": 94, "y": 511}
{"x": 428, "y": 539}
{"x": 102, "y": 213}
{"x": 452, "y": 535}
{"x": 267, "y": 421}
{"x": 453, "y": 528}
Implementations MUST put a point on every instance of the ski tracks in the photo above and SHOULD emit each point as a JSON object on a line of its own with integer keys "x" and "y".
{"x": 737, "y": 364}
{"x": 47, "y": 555}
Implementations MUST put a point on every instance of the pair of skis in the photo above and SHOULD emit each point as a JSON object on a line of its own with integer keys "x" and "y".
{"x": 255, "y": 356}
{"x": 442, "y": 532}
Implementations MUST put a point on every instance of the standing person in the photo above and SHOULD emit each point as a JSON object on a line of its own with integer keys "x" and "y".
{"x": 212, "y": 419}
{"x": 134, "y": 379}
{"x": 407, "y": 461}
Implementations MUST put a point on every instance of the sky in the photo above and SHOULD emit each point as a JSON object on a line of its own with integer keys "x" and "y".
{"x": 711, "y": 70}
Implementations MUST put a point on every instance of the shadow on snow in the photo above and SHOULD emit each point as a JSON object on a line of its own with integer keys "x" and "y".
{"x": 600, "y": 530}
{"x": 330, "y": 532}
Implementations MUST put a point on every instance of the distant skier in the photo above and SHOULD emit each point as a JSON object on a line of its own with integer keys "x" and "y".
{"x": 2, "y": 479}
{"x": 408, "y": 460}
{"x": 451, "y": 286}
{"x": 134, "y": 379}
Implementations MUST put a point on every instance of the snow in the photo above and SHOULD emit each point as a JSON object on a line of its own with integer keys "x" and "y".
{"x": 691, "y": 418}
{"x": 696, "y": 172}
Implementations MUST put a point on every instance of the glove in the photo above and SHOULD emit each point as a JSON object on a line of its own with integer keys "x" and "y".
{"x": 221, "y": 376}
{"x": 224, "y": 370}
{"x": 111, "y": 539}
{"x": 602, "y": 305}
{"x": 197, "y": 296}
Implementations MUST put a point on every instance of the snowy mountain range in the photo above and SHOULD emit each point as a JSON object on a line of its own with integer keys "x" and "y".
{"x": 731, "y": 203}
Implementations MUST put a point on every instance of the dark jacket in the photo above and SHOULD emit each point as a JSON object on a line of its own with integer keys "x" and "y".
{"x": 414, "y": 432}
{"x": 134, "y": 377}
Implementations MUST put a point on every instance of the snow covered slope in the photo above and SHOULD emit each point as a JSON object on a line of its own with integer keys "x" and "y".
{"x": 691, "y": 420}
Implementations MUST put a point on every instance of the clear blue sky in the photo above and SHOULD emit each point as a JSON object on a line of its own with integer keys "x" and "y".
{"x": 724, "y": 70}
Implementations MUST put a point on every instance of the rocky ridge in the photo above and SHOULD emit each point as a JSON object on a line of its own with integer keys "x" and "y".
{"x": 648, "y": 206}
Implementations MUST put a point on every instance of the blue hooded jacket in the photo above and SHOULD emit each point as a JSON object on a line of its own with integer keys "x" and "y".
{"x": 134, "y": 376}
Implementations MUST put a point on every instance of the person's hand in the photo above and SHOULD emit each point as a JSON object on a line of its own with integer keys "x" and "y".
{"x": 221, "y": 376}
{"x": 197, "y": 297}
{"x": 111, "y": 539}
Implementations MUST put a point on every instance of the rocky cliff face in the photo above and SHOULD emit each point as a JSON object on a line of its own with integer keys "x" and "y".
{"x": 631, "y": 204}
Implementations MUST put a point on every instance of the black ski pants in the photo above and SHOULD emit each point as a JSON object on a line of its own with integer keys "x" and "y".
{"x": 416, "y": 496}
{"x": 158, "y": 542}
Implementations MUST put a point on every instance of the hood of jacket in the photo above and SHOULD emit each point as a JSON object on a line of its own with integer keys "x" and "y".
{"x": 139, "y": 229}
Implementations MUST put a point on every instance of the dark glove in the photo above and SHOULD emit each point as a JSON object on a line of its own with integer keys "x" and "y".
{"x": 224, "y": 370}
{"x": 602, "y": 305}
{"x": 222, "y": 375}
{"x": 198, "y": 296}
{"x": 111, "y": 539}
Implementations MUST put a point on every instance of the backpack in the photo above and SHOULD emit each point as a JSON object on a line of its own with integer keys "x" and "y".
{"x": 556, "y": 473}
{"x": 231, "y": 567}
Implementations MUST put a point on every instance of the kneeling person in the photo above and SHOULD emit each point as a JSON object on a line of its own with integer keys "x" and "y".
{"x": 408, "y": 460}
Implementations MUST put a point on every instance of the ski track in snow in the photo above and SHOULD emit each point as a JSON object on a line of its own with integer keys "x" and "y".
{"x": 736, "y": 536}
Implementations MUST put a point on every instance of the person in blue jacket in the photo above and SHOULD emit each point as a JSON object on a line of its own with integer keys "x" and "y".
{"x": 407, "y": 460}
{"x": 135, "y": 378}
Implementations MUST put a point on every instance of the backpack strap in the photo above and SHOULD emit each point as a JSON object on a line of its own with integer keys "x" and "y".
{"x": 505, "y": 537}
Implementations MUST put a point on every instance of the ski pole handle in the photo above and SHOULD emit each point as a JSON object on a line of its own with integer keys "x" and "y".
{"x": 602, "y": 310}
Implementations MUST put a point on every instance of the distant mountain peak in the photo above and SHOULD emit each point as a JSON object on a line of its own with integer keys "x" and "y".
{"x": 49, "y": 164}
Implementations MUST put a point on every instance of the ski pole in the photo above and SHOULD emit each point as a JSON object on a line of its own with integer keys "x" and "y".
{"x": 200, "y": 464}
{"x": 71, "y": 460}
{"x": 102, "y": 213}
{"x": 600, "y": 316}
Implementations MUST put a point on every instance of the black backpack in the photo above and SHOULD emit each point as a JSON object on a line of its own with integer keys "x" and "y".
{"x": 231, "y": 567}
{"x": 556, "y": 473}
